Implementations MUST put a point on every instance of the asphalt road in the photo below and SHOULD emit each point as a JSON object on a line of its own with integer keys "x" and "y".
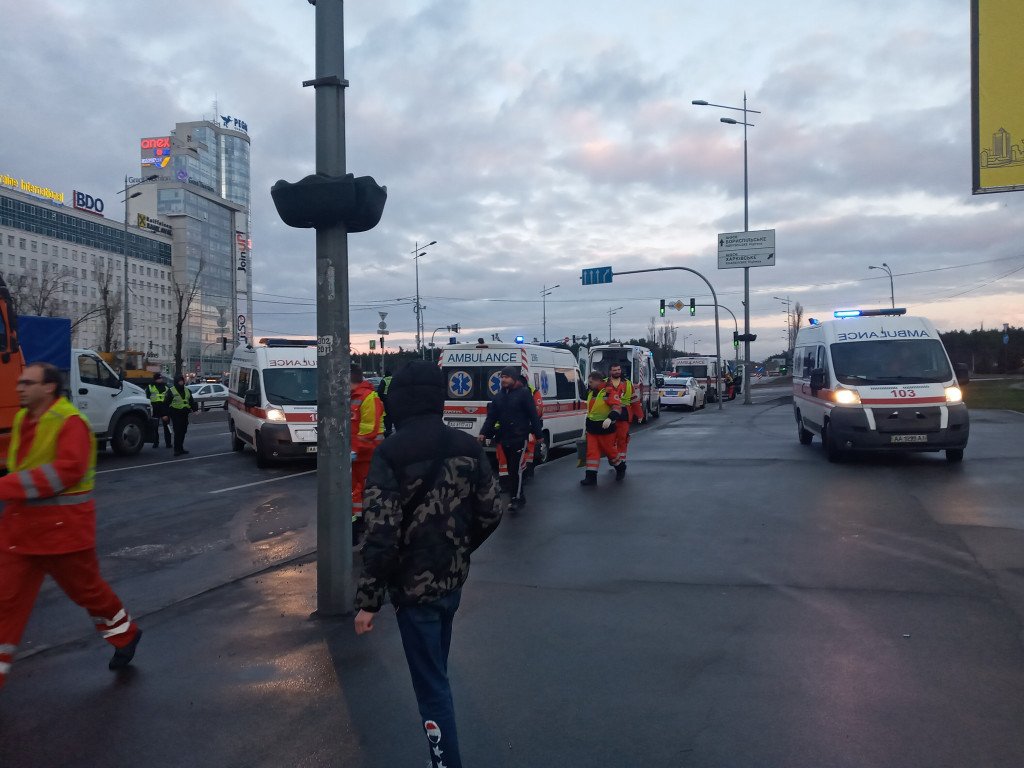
{"x": 737, "y": 601}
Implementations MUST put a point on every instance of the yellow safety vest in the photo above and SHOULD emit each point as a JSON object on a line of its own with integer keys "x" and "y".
{"x": 155, "y": 395}
{"x": 180, "y": 401}
{"x": 44, "y": 445}
{"x": 598, "y": 408}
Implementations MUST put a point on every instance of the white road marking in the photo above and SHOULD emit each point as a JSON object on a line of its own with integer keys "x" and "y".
{"x": 162, "y": 463}
{"x": 262, "y": 482}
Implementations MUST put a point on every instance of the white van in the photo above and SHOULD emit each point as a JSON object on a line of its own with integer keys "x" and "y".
{"x": 472, "y": 374}
{"x": 272, "y": 399}
{"x": 637, "y": 365}
{"x": 878, "y": 380}
{"x": 704, "y": 368}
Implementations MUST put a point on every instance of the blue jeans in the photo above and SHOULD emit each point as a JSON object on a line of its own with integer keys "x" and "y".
{"x": 426, "y": 636}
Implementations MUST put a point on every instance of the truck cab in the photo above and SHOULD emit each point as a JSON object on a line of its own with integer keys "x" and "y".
{"x": 118, "y": 411}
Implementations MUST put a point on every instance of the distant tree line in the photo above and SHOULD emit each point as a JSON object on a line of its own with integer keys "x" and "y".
{"x": 984, "y": 350}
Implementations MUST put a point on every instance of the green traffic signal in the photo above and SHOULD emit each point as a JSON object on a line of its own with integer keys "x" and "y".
{"x": 662, "y": 308}
{"x": 693, "y": 307}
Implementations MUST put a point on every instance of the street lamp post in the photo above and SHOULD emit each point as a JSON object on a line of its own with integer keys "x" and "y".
{"x": 610, "y": 313}
{"x": 418, "y": 309}
{"x": 888, "y": 271}
{"x": 128, "y": 197}
{"x": 544, "y": 299}
{"x": 790, "y": 330}
{"x": 746, "y": 228}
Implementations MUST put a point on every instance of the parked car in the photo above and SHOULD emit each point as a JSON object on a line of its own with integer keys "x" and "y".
{"x": 210, "y": 396}
{"x": 682, "y": 390}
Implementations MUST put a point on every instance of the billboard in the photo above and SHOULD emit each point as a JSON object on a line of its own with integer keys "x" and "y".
{"x": 155, "y": 152}
{"x": 997, "y": 110}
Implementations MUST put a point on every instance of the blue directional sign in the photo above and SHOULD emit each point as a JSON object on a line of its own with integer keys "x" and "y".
{"x": 596, "y": 275}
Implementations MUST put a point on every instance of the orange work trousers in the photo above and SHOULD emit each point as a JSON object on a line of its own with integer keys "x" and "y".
{"x": 78, "y": 574}
{"x": 599, "y": 446}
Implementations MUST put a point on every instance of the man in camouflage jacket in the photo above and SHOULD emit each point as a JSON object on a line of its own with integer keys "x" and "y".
{"x": 431, "y": 499}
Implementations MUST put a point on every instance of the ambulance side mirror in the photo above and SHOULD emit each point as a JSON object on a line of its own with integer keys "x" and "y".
{"x": 252, "y": 399}
{"x": 963, "y": 375}
{"x": 817, "y": 379}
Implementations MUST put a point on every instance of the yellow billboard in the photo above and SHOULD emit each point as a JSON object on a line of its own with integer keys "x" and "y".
{"x": 997, "y": 71}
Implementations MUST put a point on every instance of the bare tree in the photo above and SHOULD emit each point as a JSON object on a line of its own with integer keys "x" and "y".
{"x": 666, "y": 343}
{"x": 184, "y": 293}
{"x": 40, "y": 296}
{"x": 651, "y": 334}
{"x": 798, "y": 317}
{"x": 109, "y": 308}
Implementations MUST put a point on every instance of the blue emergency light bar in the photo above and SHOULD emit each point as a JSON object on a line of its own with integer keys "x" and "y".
{"x": 844, "y": 313}
{"x": 520, "y": 339}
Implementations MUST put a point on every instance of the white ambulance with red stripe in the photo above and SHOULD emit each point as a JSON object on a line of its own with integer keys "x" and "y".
{"x": 472, "y": 375}
{"x": 878, "y": 380}
{"x": 272, "y": 399}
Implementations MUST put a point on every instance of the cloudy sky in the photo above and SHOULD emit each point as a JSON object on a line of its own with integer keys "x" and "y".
{"x": 533, "y": 139}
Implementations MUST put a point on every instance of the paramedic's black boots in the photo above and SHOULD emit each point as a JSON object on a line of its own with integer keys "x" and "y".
{"x": 590, "y": 479}
{"x": 620, "y": 471}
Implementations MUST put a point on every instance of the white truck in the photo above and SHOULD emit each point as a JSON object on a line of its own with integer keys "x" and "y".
{"x": 118, "y": 411}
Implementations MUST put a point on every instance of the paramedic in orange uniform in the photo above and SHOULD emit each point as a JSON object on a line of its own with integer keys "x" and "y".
{"x": 48, "y": 523}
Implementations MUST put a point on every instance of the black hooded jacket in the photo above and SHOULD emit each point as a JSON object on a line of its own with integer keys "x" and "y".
{"x": 419, "y": 537}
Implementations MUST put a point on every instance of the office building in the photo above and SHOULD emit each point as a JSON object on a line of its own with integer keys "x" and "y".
{"x": 60, "y": 256}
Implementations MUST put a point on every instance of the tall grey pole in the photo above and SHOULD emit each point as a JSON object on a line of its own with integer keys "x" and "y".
{"x": 746, "y": 270}
{"x": 124, "y": 311}
{"x": 419, "y": 313}
{"x": 335, "y": 586}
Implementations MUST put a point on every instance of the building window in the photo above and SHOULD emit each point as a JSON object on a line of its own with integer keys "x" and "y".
{"x": 46, "y": 249}
{"x": 23, "y": 261}
{"x": 21, "y": 243}
{"x": 35, "y": 246}
{"x": 10, "y": 241}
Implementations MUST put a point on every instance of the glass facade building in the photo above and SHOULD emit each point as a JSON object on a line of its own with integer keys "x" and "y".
{"x": 204, "y": 191}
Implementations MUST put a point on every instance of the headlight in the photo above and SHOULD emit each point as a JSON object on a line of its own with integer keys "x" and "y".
{"x": 954, "y": 395}
{"x": 275, "y": 414}
{"x": 661, "y": 393}
{"x": 846, "y": 397}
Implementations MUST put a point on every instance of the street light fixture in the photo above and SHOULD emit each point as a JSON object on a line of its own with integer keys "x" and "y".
{"x": 544, "y": 299}
{"x": 888, "y": 271}
{"x": 610, "y": 313}
{"x": 418, "y": 309}
{"x": 124, "y": 310}
{"x": 746, "y": 227}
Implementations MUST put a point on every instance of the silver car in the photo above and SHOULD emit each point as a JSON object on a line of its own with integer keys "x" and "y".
{"x": 210, "y": 395}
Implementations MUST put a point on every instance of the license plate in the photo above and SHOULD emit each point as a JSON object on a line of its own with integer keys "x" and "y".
{"x": 671, "y": 393}
{"x": 909, "y": 439}
{"x": 461, "y": 423}
{"x": 311, "y": 449}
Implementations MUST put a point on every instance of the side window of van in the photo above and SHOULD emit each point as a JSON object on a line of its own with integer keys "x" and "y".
{"x": 820, "y": 362}
{"x": 243, "y": 381}
{"x": 804, "y": 357}
{"x": 565, "y": 383}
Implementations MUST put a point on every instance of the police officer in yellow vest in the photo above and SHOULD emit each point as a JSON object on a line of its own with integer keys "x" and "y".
{"x": 181, "y": 405}
{"x": 158, "y": 392}
{"x": 48, "y": 522}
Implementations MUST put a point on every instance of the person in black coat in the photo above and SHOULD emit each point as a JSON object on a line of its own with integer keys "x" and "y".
{"x": 511, "y": 419}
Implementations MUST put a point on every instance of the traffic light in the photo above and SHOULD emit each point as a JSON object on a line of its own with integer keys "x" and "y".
{"x": 736, "y": 339}
{"x": 223, "y": 343}
{"x": 661, "y": 310}
{"x": 693, "y": 307}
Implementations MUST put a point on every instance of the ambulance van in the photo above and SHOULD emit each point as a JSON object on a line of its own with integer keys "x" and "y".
{"x": 272, "y": 399}
{"x": 472, "y": 373}
{"x": 637, "y": 365}
{"x": 878, "y": 380}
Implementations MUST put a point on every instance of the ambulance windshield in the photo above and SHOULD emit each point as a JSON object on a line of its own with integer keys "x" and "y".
{"x": 290, "y": 386}
{"x": 898, "y": 361}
